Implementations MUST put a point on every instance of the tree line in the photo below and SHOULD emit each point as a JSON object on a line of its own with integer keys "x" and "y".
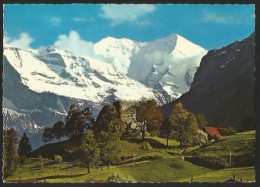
{"x": 76, "y": 123}
{"x": 14, "y": 151}
{"x": 98, "y": 137}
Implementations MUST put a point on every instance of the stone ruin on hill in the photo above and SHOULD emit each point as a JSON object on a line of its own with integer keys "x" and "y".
{"x": 126, "y": 111}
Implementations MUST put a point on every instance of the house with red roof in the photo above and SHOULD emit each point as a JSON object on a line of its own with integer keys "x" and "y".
{"x": 213, "y": 133}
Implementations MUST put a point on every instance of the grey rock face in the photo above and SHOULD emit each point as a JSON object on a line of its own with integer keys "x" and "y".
{"x": 223, "y": 88}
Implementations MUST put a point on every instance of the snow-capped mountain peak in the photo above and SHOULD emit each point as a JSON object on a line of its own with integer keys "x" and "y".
{"x": 40, "y": 85}
{"x": 117, "y": 51}
{"x": 64, "y": 74}
{"x": 184, "y": 48}
{"x": 176, "y": 60}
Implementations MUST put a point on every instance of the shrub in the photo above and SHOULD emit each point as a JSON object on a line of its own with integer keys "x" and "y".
{"x": 118, "y": 178}
{"x": 228, "y": 131}
{"x": 231, "y": 131}
{"x": 209, "y": 162}
{"x": 57, "y": 159}
{"x": 146, "y": 146}
{"x": 135, "y": 133}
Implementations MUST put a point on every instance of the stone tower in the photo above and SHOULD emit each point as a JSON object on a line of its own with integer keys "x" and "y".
{"x": 126, "y": 111}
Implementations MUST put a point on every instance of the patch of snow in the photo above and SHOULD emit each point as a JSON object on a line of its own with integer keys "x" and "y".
{"x": 29, "y": 111}
{"x": 233, "y": 58}
{"x": 221, "y": 53}
{"x": 20, "y": 121}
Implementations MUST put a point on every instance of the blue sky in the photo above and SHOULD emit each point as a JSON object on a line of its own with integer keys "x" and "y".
{"x": 211, "y": 26}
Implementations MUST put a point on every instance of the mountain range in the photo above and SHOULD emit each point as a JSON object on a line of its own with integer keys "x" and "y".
{"x": 39, "y": 86}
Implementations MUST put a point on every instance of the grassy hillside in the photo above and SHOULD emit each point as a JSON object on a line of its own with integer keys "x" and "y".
{"x": 246, "y": 173}
{"x": 69, "y": 149}
{"x": 241, "y": 147}
{"x": 158, "y": 164}
{"x": 161, "y": 170}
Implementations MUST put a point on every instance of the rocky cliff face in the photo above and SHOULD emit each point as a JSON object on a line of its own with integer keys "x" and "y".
{"x": 224, "y": 85}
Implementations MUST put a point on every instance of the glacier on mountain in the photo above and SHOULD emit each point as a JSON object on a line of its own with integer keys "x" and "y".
{"x": 67, "y": 75}
{"x": 40, "y": 85}
{"x": 172, "y": 60}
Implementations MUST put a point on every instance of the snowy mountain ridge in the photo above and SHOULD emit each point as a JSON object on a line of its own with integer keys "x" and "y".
{"x": 39, "y": 86}
{"x": 166, "y": 64}
{"x": 118, "y": 52}
{"x": 64, "y": 74}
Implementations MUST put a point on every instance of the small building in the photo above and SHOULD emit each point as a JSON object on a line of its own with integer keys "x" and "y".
{"x": 213, "y": 133}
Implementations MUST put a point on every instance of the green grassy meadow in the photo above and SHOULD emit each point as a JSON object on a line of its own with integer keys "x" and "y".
{"x": 156, "y": 165}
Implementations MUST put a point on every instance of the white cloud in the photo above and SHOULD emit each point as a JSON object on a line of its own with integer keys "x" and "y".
{"x": 24, "y": 41}
{"x": 6, "y": 39}
{"x": 221, "y": 19}
{"x": 74, "y": 44}
{"x": 126, "y": 13}
{"x": 55, "y": 21}
{"x": 77, "y": 19}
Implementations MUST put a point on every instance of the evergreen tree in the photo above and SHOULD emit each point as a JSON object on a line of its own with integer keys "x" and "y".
{"x": 109, "y": 151}
{"x": 117, "y": 127}
{"x": 202, "y": 122}
{"x": 90, "y": 149}
{"x": 47, "y": 135}
{"x": 78, "y": 121}
{"x": 107, "y": 114}
{"x": 88, "y": 119}
{"x": 107, "y": 120}
{"x": 73, "y": 120}
{"x": 58, "y": 130}
{"x": 149, "y": 115}
{"x": 24, "y": 147}
{"x": 10, "y": 156}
